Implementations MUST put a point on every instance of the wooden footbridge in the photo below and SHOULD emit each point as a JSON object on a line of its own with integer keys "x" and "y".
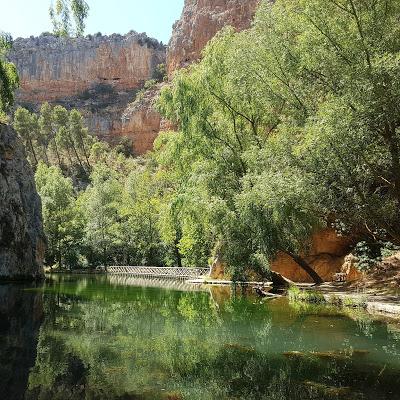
{"x": 165, "y": 272}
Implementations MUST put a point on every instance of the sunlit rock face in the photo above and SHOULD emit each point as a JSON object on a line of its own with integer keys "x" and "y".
{"x": 326, "y": 255}
{"x": 200, "y": 21}
{"x": 141, "y": 122}
{"x": 22, "y": 242}
{"x": 97, "y": 74}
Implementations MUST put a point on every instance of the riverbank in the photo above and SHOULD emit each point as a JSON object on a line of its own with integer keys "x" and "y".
{"x": 376, "y": 301}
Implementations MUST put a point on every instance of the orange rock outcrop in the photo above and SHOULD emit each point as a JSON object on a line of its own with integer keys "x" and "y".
{"x": 52, "y": 68}
{"x": 141, "y": 122}
{"x": 200, "y": 21}
{"x": 326, "y": 255}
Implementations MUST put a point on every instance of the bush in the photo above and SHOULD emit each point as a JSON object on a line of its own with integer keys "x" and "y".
{"x": 307, "y": 296}
{"x": 370, "y": 254}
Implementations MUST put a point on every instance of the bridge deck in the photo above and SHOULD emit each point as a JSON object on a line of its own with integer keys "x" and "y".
{"x": 171, "y": 272}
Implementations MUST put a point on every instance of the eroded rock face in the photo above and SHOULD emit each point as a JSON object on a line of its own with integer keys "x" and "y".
{"x": 53, "y": 68}
{"x": 141, "y": 122}
{"x": 326, "y": 256}
{"x": 200, "y": 21}
{"x": 97, "y": 74}
{"x": 22, "y": 241}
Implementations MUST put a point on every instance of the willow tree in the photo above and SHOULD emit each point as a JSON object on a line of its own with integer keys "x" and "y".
{"x": 335, "y": 65}
{"x": 293, "y": 125}
{"x": 68, "y": 17}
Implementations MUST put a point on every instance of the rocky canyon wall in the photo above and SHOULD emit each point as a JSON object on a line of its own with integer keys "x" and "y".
{"x": 199, "y": 22}
{"x": 22, "y": 242}
{"x": 100, "y": 75}
{"x": 97, "y": 74}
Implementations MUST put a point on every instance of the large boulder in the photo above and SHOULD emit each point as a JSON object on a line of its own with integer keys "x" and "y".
{"x": 22, "y": 241}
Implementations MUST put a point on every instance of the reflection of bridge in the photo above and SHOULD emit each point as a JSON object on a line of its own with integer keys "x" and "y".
{"x": 166, "y": 272}
{"x": 164, "y": 283}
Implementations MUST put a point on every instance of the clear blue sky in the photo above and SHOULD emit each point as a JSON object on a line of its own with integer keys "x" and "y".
{"x": 23, "y": 18}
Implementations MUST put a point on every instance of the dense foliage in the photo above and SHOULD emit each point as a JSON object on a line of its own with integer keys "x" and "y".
{"x": 99, "y": 205}
{"x": 282, "y": 129}
{"x": 56, "y": 137}
{"x": 290, "y": 126}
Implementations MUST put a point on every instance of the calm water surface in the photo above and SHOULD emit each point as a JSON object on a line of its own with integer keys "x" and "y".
{"x": 98, "y": 337}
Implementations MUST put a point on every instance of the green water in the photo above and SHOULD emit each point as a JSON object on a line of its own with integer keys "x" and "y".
{"x": 96, "y": 337}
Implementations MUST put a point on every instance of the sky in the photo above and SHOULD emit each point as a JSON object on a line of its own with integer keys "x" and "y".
{"x": 23, "y": 18}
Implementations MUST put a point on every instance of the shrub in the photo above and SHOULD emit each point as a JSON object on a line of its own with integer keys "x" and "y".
{"x": 308, "y": 296}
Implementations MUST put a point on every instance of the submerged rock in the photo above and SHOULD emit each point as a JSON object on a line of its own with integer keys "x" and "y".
{"x": 22, "y": 241}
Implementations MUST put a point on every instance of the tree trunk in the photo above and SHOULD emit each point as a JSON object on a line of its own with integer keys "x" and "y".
{"x": 78, "y": 158}
{"x": 303, "y": 264}
{"x": 33, "y": 151}
{"x": 177, "y": 254}
{"x": 395, "y": 163}
{"x": 84, "y": 150}
{"x": 57, "y": 153}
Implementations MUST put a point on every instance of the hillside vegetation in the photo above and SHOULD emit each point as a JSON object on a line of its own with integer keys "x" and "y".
{"x": 283, "y": 129}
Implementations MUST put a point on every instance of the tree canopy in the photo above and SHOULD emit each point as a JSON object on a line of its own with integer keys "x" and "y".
{"x": 283, "y": 129}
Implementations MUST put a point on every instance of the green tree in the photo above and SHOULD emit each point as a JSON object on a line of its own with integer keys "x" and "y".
{"x": 60, "y": 15}
{"x": 9, "y": 80}
{"x": 102, "y": 200}
{"x": 62, "y": 222}
{"x": 48, "y": 131}
{"x": 79, "y": 135}
{"x": 27, "y": 127}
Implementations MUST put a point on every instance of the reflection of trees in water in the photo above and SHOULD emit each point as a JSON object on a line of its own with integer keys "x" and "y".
{"x": 21, "y": 314}
{"x": 104, "y": 343}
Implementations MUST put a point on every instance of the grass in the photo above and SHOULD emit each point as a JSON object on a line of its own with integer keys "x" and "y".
{"x": 306, "y": 296}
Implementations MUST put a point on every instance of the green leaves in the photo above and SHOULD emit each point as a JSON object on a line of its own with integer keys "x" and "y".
{"x": 9, "y": 80}
{"x": 60, "y": 14}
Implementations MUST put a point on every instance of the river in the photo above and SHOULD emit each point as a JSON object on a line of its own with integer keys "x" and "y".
{"x": 103, "y": 337}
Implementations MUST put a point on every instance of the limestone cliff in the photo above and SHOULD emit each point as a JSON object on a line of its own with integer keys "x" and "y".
{"x": 200, "y": 21}
{"x": 22, "y": 241}
{"x": 141, "y": 122}
{"x": 97, "y": 74}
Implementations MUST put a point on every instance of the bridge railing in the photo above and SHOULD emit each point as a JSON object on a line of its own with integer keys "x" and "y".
{"x": 173, "y": 272}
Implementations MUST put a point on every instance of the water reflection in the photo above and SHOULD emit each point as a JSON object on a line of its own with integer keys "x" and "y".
{"x": 103, "y": 340}
{"x": 20, "y": 317}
